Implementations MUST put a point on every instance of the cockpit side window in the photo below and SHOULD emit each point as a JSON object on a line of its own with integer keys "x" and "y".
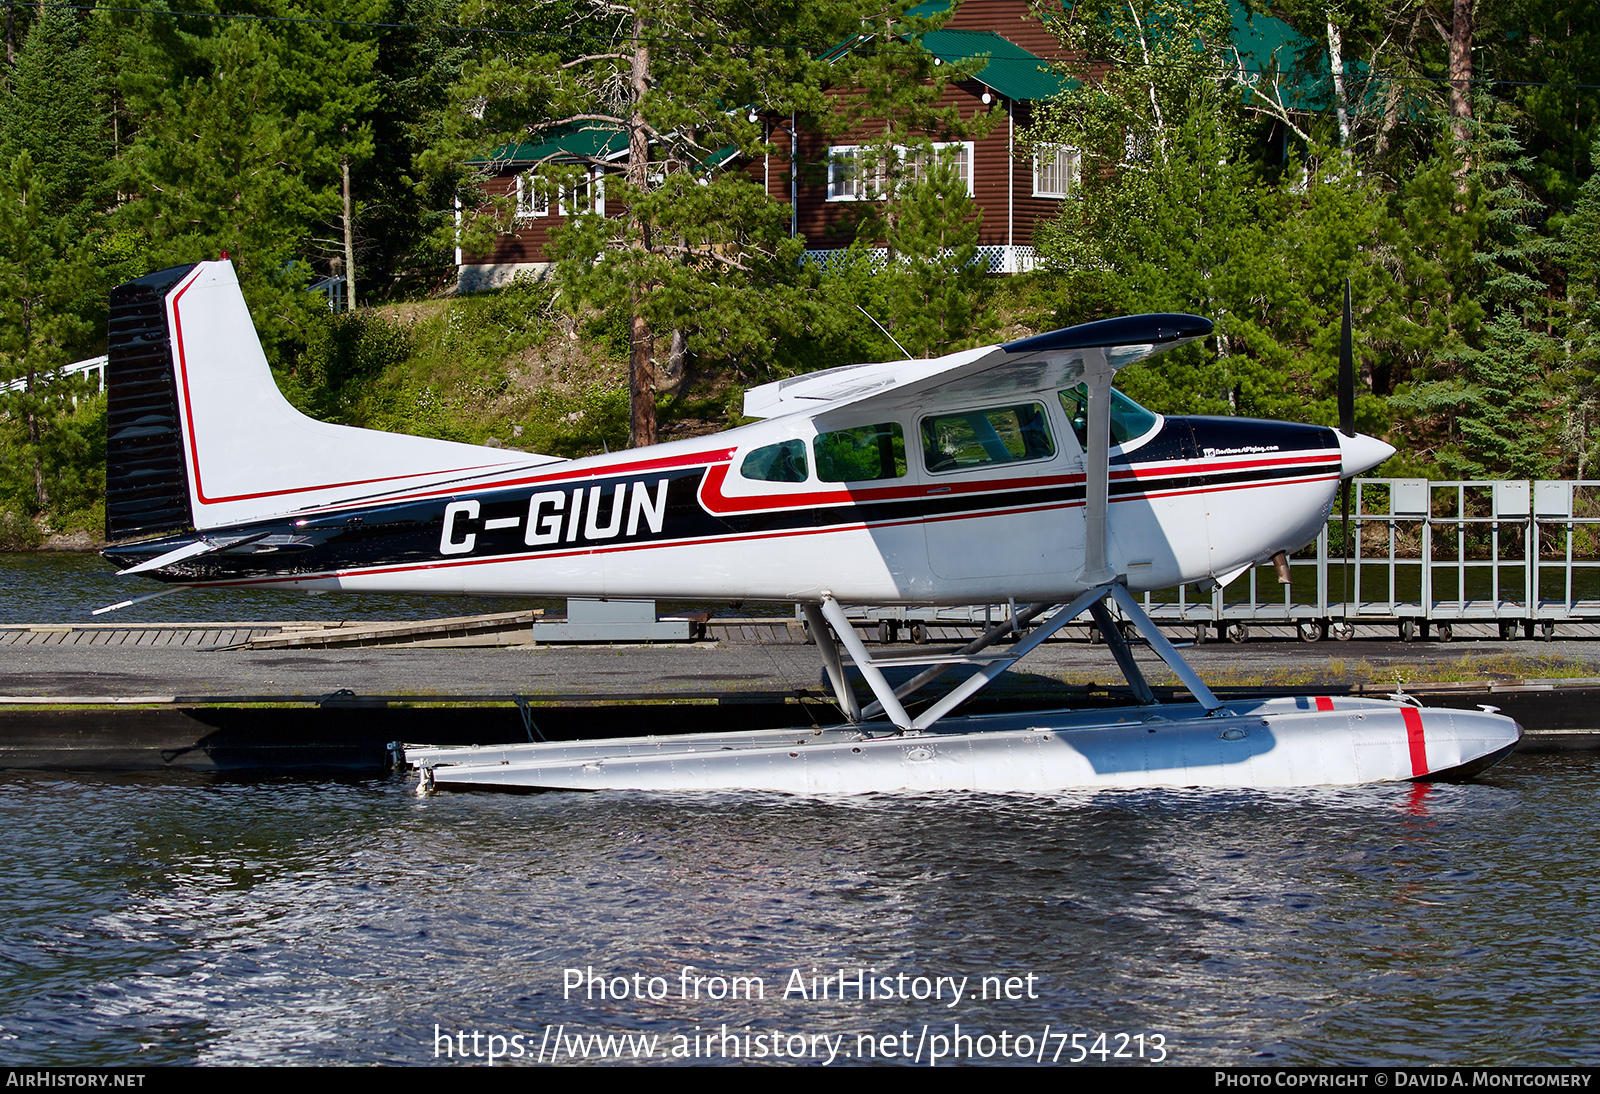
{"x": 781, "y": 462}
{"x": 983, "y": 438}
{"x": 1129, "y": 420}
{"x": 861, "y": 454}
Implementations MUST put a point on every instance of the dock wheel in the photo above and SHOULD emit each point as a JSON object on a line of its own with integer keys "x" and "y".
{"x": 1444, "y": 632}
{"x": 888, "y": 631}
{"x": 1547, "y": 630}
{"x": 1201, "y": 633}
{"x": 919, "y": 633}
{"x": 1312, "y": 630}
{"x": 1342, "y": 631}
{"x": 1508, "y": 630}
{"x": 1238, "y": 632}
{"x": 1408, "y": 630}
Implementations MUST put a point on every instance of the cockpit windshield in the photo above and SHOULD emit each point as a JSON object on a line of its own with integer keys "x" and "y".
{"x": 1129, "y": 420}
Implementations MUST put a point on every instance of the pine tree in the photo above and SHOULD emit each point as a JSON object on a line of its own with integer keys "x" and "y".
{"x": 44, "y": 266}
{"x": 933, "y": 283}
{"x": 687, "y": 88}
{"x": 1485, "y": 398}
{"x": 1172, "y": 215}
{"x": 53, "y": 106}
{"x": 244, "y": 127}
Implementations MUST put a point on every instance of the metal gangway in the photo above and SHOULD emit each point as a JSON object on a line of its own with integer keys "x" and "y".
{"x": 1423, "y": 557}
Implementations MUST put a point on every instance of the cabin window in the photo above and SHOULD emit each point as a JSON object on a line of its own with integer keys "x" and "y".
{"x": 851, "y": 177}
{"x": 586, "y": 195}
{"x": 861, "y": 454}
{"x": 533, "y": 196}
{"x": 1129, "y": 420}
{"x": 959, "y": 155}
{"x": 857, "y": 172}
{"x": 1055, "y": 171}
{"x": 983, "y": 438}
{"x": 781, "y": 462}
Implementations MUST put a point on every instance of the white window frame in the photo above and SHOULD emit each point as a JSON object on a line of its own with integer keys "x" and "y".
{"x": 841, "y": 154}
{"x": 532, "y": 200}
{"x": 1049, "y": 179}
{"x": 594, "y": 185}
{"x": 966, "y": 163}
{"x": 849, "y": 183}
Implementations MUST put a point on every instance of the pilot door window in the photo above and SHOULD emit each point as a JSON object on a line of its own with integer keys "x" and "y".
{"x": 862, "y": 454}
{"x": 781, "y": 462}
{"x": 984, "y": 438}
{"x": 1129, "y": 420}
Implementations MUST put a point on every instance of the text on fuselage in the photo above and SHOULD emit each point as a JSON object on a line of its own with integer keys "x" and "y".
{"x": 582, "y": 514}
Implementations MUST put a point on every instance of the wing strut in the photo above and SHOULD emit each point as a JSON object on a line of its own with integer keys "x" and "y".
{"x": 1097, "y": 377}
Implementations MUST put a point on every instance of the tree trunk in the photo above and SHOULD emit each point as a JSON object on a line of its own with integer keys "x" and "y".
{"x": 1461, "y": 32}
{"x": 1336, "y": 65}
{"x": 349, "y": 243}
{"x": 641, "y": 342}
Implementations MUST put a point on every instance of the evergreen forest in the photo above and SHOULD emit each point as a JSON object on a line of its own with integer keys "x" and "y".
{"x": 1440, "y": 155}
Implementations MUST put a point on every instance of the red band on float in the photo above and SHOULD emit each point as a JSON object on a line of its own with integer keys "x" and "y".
{"x": 1414, "y": 738}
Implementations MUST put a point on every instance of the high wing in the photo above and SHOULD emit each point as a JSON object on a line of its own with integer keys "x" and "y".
{"x": 1058, "y": 359}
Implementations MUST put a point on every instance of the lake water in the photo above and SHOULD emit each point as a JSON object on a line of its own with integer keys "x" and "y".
{"x": 193, "y": 919}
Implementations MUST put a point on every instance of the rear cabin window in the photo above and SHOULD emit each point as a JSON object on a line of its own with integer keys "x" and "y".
{"x": 983, "y": 438}
{"x": 861, "y": 454}
{"x": 1129, "y": 420}
{"x": 781, "y": 462}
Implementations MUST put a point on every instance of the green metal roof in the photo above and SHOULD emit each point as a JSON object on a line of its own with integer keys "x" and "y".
{"x": 1267, "y": 44}
{"x": 1010, "y": 69}
{"x": 592, "y": 141}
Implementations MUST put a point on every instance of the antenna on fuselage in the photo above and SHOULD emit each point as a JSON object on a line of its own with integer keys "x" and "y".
{"x": 886, "y": 334}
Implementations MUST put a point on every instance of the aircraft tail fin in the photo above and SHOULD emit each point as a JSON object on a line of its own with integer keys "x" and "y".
{"x": 198, "y": 435}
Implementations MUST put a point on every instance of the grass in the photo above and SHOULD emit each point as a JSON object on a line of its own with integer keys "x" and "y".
{"x": 505, "y": 369}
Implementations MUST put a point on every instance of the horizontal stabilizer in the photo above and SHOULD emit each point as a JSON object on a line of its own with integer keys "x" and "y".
{"x": 192, "y": 550}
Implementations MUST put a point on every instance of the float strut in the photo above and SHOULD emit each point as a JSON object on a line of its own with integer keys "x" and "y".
{"x": 830, "y": 660}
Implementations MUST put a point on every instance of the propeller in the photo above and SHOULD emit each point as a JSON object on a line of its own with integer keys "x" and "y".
{"x": 1347, "y": 423}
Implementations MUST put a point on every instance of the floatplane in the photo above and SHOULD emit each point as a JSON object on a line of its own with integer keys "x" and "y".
{"x": 1011, "y": 473}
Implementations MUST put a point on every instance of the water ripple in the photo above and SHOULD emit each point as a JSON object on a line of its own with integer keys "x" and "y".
{"x": 195, "y": 919}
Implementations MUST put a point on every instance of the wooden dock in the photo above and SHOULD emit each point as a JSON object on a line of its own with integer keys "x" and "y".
{"x": 296, "y": 695}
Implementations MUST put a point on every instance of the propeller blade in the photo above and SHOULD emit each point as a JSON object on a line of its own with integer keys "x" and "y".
{"x": 1347, "y": 372}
